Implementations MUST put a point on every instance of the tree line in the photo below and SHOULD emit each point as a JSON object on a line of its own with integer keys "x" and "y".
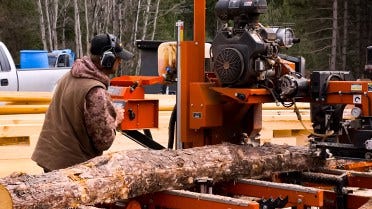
{"x": 334, "y": 34}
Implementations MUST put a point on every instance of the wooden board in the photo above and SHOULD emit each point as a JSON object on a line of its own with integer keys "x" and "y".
{"x": 13, "y": 96}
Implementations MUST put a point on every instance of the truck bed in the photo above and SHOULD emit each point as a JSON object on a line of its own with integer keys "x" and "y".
{"x": 39, "y": 79}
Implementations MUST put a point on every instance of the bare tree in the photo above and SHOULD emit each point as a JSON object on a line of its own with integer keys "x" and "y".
{"x": 120, "y": 19}
{"x": 107, "y": 16}
{"x": 345, "y": 35}
{"x": 65, "y": 18}
{"x": 96, "y": 10}
{"x": 155, "y": 20}
{"x": 115, "y": 17}
{"x": 334, "y": 36}
{"x": 42, "y": 26}
{"x": 86, "y": 24}
{"x": 49, "y": 27}
{"x": 146, "y": 19}
{"x": 54, "y": 24}
{"x": 78, "y": 45}
{"x": 137, "y": 21}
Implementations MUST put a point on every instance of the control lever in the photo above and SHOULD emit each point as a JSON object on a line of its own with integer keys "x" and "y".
{"x": 134, "y": 86}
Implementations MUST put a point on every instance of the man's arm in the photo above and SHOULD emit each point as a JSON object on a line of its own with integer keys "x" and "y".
{"x": 100, "y": 118}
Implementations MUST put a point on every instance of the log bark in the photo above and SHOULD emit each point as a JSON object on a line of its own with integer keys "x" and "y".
{"x": 86, "y": 207}
{"x": 122, "y": 175}
{"x": 367, "y": 205}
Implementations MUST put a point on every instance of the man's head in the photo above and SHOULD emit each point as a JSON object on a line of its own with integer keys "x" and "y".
{"x": 107, "y": 47}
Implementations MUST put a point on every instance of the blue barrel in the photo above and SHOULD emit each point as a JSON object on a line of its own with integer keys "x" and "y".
{"x": 34, "y": 59}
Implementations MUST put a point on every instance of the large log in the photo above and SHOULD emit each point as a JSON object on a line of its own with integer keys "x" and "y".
{"x": 367, "y": 205}
{"x": 122, "y": 175}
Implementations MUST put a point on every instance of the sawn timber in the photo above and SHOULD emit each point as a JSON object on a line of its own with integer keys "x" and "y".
{"x": 131, "y": 173}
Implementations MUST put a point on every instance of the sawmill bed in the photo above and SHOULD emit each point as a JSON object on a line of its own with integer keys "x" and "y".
{"x": 334, "y": 188}
{"x": 236, "y": 177}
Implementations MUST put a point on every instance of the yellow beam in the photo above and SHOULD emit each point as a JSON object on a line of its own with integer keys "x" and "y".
{"x": 13, "y": 96}
{"x": 23, "y": 109}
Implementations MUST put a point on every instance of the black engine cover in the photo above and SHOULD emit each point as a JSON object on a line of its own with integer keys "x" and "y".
{"x": 234, "y": 57}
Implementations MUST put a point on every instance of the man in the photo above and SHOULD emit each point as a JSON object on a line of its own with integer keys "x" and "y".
{"x": 81, "y": 120}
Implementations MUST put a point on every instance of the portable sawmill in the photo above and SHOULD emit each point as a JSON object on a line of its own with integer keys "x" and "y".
{"x": 224, "y": 104}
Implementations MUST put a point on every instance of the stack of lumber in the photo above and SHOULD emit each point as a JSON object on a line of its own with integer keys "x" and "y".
{"x": 21, "y": 118}
{"x": 24, "y": 102}
{"x": 280, "y": 124}
{"x": 18, "y": 137}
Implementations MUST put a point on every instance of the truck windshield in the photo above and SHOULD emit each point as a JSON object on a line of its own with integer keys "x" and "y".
{"x": 4, "y": 63}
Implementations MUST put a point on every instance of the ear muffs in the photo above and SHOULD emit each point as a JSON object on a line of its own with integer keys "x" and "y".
{"x": 108, "y": 57}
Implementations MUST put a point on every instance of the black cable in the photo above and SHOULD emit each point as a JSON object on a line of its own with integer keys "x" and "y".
{"x": 172, "y": 127}
{"x": 147, "y": 133}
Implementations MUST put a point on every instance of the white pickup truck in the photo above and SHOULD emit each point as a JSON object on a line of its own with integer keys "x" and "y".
{"x": 33, "y": 79}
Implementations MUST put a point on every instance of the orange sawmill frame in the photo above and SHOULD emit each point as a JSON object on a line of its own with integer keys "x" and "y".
{"x": 192, "y": 70}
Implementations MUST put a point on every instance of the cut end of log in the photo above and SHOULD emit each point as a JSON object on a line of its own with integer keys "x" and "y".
{"x": 5, "y": 198}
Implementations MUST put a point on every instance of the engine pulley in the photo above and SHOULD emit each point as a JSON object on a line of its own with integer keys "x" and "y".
{"x": 291, "y": 86}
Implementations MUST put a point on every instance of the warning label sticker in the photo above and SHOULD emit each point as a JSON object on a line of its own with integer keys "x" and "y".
{"x": 356, "y": 87}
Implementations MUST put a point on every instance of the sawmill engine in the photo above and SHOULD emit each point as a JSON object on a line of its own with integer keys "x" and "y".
{"x": 247, "y": 54}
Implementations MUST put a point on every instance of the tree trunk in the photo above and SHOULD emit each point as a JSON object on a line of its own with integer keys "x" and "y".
{"x": 334, "y": 37}
{"x": 155, "y": 20}
{"x": 79, "y": 50}
{"x": 54, "y": 24}
{"x": 42, "y": 25}
{"x": 359, "y": 39}
{"x": 130, "y": 173}
{"x": 115, "y": 18}
{"x": 345, "y": 37}
{"x": 64, "y": 21}
{"x": 366, "y": 16}
{"x": 94, "y": 23}
{"x": 144, "y": 31}
{"x": 146, "y": 20}
{"x": 138, "y": 66}
{"x": 107, "y": 16}
{"x": 87, "y": 41}
{"x": 137, "y": 22}
{"x": 120, "y": 23}
{"x": 49, "y": 27}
